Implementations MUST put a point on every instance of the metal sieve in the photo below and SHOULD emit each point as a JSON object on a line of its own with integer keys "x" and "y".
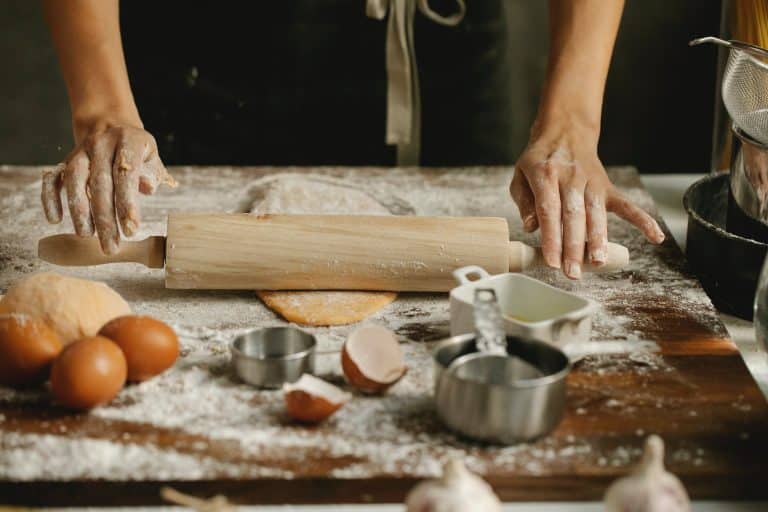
{"x": 745, "y": 86}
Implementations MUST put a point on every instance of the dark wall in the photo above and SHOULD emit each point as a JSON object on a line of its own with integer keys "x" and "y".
{"x": 659, "y": 99}
{"x": 658, "y": 108}
{"x": 34, "y": 115}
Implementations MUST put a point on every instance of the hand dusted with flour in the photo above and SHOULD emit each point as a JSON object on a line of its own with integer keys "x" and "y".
{"x": 103, "y": 177}
{"x": 114, "y": 158}
{"x": 560, "y": 185}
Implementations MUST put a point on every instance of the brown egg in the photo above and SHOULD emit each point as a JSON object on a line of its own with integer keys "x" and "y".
{"x": 149, "y": 345}
{"x": 27, "y": 348}
{"x": 88, "y": 372}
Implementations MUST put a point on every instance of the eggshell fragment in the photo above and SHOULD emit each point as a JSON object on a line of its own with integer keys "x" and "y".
{"x": 27, "y": 348}
{"x": 372, "y": 359}
{"x": 150, "y": 346}
{"x": 88, "y": 372}
{"x": 311, "y": 400}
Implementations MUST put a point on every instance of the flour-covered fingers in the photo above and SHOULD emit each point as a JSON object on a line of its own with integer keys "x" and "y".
{"x": 126, "y": 170}
{"x": 50, "y": 193}
{"x": 543, "y": 182}
{"x": 76, "y": 175}
{"x": 597, "y": 226}
{"x": 624, "y": 208}
{"x": 162, "y": 172}
{"x": 102, "y": 193}
{"x": 523, "y": 197}
{"x": 574, "y": 227}
{"x": 154, "y": 174}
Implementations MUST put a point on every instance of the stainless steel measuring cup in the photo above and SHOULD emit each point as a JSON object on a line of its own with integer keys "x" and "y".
{"x": 500, "y": 398}
{"x": 270, "y": 357}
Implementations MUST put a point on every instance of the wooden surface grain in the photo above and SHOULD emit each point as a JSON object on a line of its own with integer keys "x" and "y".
{"x": 697, "y": 394}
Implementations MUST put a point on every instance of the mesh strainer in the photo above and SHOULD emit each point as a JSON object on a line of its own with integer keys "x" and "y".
{"x": 745, "y": 86}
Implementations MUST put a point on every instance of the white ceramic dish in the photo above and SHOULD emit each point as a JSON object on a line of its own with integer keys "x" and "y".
{"x": 530, "y": 308}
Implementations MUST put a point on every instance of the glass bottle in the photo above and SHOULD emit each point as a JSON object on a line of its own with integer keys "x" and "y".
{"x": 761, "y": 308}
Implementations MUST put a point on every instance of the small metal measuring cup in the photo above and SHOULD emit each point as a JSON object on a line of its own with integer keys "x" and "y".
{"x": 500, "y": 398}
{"x": 270, "y": 357}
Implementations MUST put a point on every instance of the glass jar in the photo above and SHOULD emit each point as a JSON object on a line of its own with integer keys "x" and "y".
{"x": 761, "y": 308}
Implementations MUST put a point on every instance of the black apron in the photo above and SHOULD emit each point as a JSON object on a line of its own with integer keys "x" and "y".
{"x": 303, "y": 82}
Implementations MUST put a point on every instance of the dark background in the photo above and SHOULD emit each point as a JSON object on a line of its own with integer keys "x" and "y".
{"x": 658, "y": 106}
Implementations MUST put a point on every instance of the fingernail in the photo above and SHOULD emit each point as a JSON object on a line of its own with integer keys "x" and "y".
{"x": 573, "y": 270}
{"x": 529, "y": 223}
{"x": 553, "y": 261}
{"x": 598, "y": 256}
{"x": 110, "y": 245}
{"x": 110, "y": 248}
{"x": 130, "y": 226}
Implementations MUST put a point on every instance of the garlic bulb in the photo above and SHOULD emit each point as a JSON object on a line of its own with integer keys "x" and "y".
{"x": 649, "y": 487}
{"x": 457, "y": 490}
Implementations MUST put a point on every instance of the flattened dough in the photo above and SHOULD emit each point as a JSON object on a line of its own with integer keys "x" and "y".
{"x": 307, "y": 193}
{"x": 325, "y": 308}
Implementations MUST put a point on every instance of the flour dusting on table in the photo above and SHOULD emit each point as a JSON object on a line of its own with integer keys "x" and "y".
{"x": 198, "y": 421}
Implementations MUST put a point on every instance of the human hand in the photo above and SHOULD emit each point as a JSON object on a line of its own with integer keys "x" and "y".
{"x": 561, "y": 186}
{"x": 109, "y": 166}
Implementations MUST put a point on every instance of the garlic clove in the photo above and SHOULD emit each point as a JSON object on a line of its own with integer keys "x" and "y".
{"x": 311, "y": 400}
{"x": 649, "y": 487}
{"x": 372, "y": 359}
{"x": 458, "y": 490}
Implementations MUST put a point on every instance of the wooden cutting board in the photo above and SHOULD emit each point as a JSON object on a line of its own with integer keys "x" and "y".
{"x": 202, "y": 431}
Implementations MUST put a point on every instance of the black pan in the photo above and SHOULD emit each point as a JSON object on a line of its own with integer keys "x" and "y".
{"x": 728, "y": 265}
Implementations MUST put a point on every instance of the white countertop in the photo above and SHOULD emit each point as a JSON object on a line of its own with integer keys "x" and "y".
{"x": 668, "y": 191}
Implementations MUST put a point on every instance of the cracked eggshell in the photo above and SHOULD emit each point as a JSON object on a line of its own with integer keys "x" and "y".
{"x": 312, "y": 400}
{"x": 372, "y": 359}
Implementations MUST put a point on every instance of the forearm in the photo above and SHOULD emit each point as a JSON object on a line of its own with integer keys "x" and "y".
{"x": 582, "y": 35}
{"x": 86, "y": 34}
{"x": 560, "y": 184}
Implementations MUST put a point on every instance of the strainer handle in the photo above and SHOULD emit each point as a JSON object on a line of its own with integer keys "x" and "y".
{"x": 710, "y": 39}
{"x": 755, "y": 50}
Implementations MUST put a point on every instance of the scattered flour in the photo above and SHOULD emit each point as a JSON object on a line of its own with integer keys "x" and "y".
{"x": 197, "y": 421}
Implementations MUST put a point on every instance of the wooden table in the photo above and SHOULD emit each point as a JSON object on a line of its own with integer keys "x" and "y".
{"x": 202, "y": 431}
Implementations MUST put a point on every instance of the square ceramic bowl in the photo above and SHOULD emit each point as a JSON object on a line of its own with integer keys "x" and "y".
{"x": 530, "y": 308}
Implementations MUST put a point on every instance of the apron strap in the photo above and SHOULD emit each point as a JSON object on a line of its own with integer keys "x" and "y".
{"x": 403, "y": 95}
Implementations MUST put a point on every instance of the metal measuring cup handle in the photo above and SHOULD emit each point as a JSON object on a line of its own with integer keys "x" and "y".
{"x": 489, "y": 324}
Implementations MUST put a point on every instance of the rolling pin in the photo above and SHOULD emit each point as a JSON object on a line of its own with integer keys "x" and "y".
{"x": 315, "y": 252}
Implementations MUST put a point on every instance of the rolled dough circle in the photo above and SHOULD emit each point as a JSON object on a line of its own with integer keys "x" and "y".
{"x": 320, "y": 308}
{"x": 308, "y": 194}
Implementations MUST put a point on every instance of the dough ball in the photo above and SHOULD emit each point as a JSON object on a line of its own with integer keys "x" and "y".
{"x": 27, "y": 348}
{"x": 149, "y": 345}
{"x": 74, "y": 308}
{"x": 88, "y": 373}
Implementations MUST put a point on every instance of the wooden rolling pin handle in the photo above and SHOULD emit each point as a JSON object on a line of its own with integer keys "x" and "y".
{"x": 522, "y": 256}
{"x": 73, "y": 250}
